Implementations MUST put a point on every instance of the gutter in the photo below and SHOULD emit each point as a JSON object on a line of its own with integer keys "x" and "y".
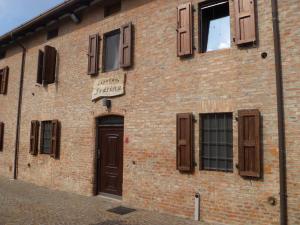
{"x": 280, "y": 115}
{"x": 17, "y": 142}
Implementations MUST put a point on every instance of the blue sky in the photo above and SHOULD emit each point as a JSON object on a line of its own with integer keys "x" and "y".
{"x": 15, "y": 12}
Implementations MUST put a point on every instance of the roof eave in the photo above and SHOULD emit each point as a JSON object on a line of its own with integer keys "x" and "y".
{"x": 43, "y": 19}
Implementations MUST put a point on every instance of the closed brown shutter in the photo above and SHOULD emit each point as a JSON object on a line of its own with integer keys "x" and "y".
{"x": 126, "y": 46}
{"x": 184, "y": 30}
{"x": 55, "y": 139}
{"x": 39, "y": 79}
{"x": 4, "y": 81}
{"x": 93, "y": 54}
{"x": 249, "y": 143}
{"x": 49, "y": 65}
{"x": 1, "y": 135}
{"x": 245, "y": 21}
{"x": 34, "y": 137}
{"x": 185, "y": 156}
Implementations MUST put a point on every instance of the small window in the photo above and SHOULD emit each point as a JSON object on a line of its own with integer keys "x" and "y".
{"x": 46, "y": 137}
{"x": 216, "y": 141}
{"x": 3, "y": 80}
{"x": 1, "y": 136}
{"x": 111, "y": 51}
{"x": 46, "y": 66}
{"x": 1, "y": 75}
{"x": 52, "y": 33}
{"x": 112, "y": 8}
{"x": 2, "y": 53}
{"x": 214, "y": 22}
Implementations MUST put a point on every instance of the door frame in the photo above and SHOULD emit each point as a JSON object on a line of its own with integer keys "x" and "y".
{"x": 97, "y": 166}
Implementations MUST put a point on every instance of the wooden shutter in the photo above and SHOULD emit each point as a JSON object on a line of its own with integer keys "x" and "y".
{"x": 93, "y": 54}
{"x": 184, "y": 30}
{"x": 126, "y": 46}
{"x": 49, "y": 65}
{"x": 185, "y": 159}
{"x": 1, "y": 135}
{"x": 39, "y": 79}
{"x": 34, "y": 137}
{"x": 249, "y": 143}
{"x": 4, "y": 81}
{"x": 245, "y": 21}
{"x": 55, "y": 139}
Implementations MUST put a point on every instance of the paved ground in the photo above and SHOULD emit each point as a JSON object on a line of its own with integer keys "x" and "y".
{"x": 25, "y": 204}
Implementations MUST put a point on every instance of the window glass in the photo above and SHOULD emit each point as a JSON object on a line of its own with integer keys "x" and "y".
{"x": 47, "y": 136}
{"x": 216, "y": 141}
{"x": 215, "y": 26}
{"x": 111, "y": 120}
{"x": 111, "y": 58}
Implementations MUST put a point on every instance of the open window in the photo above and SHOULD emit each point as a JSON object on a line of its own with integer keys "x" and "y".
{"x": 3, "y": 80}
{"x": 2, "y": 53}
{"x": 46, "y": 66}
{"x": 52, "y": 33}
{"x": 111, "y": 57}
{"x": 1, "y": 135}
{"x": 214, "y": 22}
{"x": 112, "y": 7}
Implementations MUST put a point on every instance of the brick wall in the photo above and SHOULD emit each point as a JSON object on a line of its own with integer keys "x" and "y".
{"x": 8, "y": 110}
{"x": 159, "y": 86}
{"x": 290, "y": 35}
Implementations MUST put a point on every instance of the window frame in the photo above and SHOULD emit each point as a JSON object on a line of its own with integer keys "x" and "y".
{"x": 4, "y": 82}
{"x": 43, "y": 59}
{"x": 2, "y": 53}
{"x": 200, "y": 27}
{"x": 201, "y": 143}
{"x": 52, "y": 33}
{"x": 42, "y": 150}
{"x": 107, "y": 34}
{"x": 2, "y": 128}
{"x": 1, "y": 77}
{"x": 112, "y": 9}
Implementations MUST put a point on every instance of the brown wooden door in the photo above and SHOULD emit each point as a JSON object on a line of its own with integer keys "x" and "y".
{"x": 110, "y": 176}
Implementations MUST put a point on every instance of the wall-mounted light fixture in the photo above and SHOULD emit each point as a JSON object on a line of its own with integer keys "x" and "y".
{"x": 106, "y": 102}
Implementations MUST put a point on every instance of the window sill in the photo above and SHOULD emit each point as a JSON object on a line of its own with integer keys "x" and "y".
{"x": 110, "y": 71}
{"x": 216, "y": 51}
{"x": 217, "y": 170}
{"x": 41, "y": 85}
{"x": 38, "y": 85}
{"x": 42, "y": 153}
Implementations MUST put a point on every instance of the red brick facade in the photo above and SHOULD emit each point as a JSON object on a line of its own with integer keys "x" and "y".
{"x": 158, "y": 86}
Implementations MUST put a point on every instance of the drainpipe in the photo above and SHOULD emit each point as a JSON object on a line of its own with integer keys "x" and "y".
{"x": 280, "y": 114}
{"x": 19, "y": 108}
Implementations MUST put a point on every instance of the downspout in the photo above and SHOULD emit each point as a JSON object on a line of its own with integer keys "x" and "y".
{"x": 17, "y": 143}
{"x": 280, "y": 115}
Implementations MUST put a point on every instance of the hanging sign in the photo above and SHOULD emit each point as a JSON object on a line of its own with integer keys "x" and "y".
{"x": 111, "y": 86}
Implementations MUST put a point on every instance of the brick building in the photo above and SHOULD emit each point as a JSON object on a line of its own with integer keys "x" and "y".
{"x": 152, "y": 101}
